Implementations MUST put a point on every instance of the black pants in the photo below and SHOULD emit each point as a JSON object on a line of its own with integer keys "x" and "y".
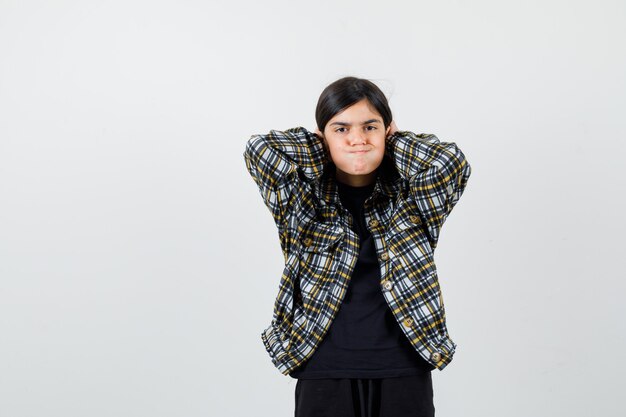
{"x": 408, "y": 396}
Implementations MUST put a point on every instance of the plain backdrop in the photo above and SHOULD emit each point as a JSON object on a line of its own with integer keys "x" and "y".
{"x": 138, "y": 264}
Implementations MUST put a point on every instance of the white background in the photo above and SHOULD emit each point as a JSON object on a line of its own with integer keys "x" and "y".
{"x": 138, "y": 264}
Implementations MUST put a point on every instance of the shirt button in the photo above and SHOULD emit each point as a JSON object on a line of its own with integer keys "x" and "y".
{"x": 307, "y": 241}
{"x": 384, "y": 256}
{"x": 373, "y": 222}
{"x": 387, "y": 284}
{"x": 414, "y": 219}
{"x": 436, "y": 356}
{"x": 450, "y": 189}
{"x": 408, "y": 321}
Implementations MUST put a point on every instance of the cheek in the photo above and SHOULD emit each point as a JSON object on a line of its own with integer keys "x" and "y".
{"x": 380, "y": 140}
{"x": 330, "y": 152}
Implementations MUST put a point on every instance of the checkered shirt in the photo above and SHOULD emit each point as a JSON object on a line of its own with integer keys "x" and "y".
{"x": 418, "y": 183}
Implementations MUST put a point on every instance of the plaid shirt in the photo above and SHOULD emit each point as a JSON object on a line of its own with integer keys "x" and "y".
{"x": 418, "y": 183}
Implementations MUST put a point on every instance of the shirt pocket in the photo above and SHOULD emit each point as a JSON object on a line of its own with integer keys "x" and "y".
{"x": 318, "y": 263}
{"x": 320, "y": 237}
{"x": 407, "y": 239}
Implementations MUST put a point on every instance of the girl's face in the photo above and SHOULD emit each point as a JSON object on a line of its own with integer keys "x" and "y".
{"x": 355, "y": 138}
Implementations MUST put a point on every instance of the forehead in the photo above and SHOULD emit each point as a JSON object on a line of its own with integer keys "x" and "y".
{"x": 359, "y": 112}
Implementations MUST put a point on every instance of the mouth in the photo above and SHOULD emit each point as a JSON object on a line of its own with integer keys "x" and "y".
{"x": 360, "y": 151}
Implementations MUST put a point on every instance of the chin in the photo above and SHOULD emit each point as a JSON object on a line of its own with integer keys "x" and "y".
{"x": 361, "y": 172}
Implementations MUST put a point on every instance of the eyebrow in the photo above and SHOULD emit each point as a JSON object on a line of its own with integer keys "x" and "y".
{"x": 364, "y": 123}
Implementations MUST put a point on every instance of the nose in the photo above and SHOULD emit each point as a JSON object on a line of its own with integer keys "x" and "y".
{"x": 357, "y": 138}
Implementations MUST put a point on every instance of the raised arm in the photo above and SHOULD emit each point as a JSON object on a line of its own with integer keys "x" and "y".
{"x": 437, "y": 172}
{"x": 280, "y": 163}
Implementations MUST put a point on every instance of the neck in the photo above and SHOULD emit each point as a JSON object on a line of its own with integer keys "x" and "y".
{"x": 356, "y": 180}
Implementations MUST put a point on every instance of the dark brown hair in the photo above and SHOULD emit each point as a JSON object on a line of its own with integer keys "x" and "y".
{"x": 345, "y": 92}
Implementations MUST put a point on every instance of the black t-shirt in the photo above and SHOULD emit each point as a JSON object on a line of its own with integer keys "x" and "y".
{"x": 364, "y": 340}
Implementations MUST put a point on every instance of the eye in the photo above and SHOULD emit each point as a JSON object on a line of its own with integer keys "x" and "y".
{"x": 372, "y": 127}
{"x": 339, "y": 129}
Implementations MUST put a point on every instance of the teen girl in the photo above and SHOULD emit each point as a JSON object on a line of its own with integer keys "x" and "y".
{"x": 359, "y": 318}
